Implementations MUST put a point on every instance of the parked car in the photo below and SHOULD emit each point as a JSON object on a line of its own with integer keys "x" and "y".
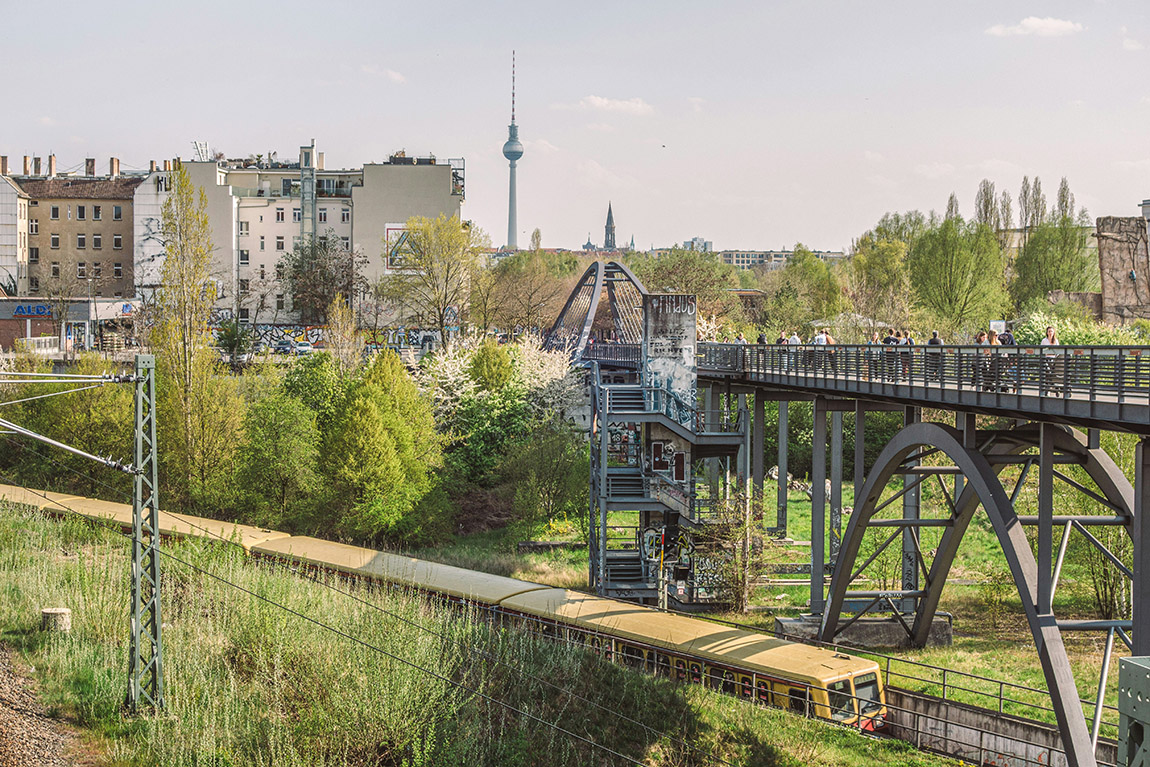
{"x": 282, "y": 347}
{"x": 302, "y": 347}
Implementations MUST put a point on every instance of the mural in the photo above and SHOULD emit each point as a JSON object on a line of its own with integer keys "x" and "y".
{"x": 314, "y": 334}
{"x": 399, "y": 250}
{"x": 669, "y": 333}
{"x": 623, "y": 445}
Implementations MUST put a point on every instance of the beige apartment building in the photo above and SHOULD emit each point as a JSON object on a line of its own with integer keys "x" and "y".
{"x": 80, "y": 234}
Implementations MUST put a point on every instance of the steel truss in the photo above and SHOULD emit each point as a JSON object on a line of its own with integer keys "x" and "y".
{"x": 977, "y": 459}
{"x": 625, "y": 292}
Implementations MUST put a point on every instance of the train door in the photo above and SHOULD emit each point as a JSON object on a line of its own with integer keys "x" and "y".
{"x": 746, "y": 687}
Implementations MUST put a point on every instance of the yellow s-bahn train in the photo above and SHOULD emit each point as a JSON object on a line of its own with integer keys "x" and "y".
{"x": 808, "y": 680}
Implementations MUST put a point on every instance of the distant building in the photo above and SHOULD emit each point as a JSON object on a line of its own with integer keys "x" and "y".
{"x": 1146, "y": 210}
{"x": 609, "y": 230}
{"x": 699, "y": 244}
{"x": 771, "y": 259}
{"x": 13, "y": 235}
{"x": 80, "y": 233}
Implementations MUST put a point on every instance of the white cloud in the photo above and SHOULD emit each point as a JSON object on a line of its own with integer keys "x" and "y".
{"x": 595, "y": 176}
{"x": 1130, "y": 44}
{"x": 1032, "y": 25}
{"x": 934, "y": 170}
{"x": 388, "y": 74}
{"x": 696, "y": 103}
{"x": 631, "y": 106}
{"x": 47, "y": 121}
{"x": 870, "y": 156}
{"x": 541, "y": 145}
{"x": 601, "y": 127}
{"x": 1137, "y": 165}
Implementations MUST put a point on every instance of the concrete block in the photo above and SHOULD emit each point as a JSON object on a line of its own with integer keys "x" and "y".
{"x": 868, "y": 631}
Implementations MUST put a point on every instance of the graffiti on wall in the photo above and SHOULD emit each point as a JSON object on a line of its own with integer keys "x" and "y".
{"x": 669, "y": 336}
{"x": 270, "y": 334}
{"x": 401, "y": 336}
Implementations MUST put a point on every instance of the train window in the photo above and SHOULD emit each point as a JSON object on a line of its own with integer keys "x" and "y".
{"x": 608, "y": 649}
{"x": 797, "y": 700}
{"x": 650, "y": 657}
{"x": 663, "y": 665}
{"x": 696, "y": 673}
{"x": 680, "y": 669}
{"x": 714, "y": 677}
{"x": 594, "y": 644}
{"x": 866, "y": 687}
{"x": 841, "y": 700}
{"x": 764, "y": 692}
{"x": 746, "y": 688}
{"x": 729, "y": 685}
{"x": 632, "y": 656}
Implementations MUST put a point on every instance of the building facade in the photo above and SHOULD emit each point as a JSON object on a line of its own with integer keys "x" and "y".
{"x": 13, "y": 235}
{"x": 80, "y": 234}
{"x": 771, "y": 259}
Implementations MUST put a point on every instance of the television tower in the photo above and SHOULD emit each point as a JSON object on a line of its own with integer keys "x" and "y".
{"x": 512, "y": 150}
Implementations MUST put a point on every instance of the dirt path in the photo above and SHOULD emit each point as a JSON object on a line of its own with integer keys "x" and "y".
{"x": 28, "y": 736}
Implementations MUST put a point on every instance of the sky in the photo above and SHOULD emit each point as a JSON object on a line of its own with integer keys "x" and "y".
{"x": 755, "y": 125}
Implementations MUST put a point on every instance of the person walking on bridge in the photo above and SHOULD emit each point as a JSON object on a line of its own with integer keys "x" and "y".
{"x": 1049, "y": 374}
{"x": 934, "y": 356}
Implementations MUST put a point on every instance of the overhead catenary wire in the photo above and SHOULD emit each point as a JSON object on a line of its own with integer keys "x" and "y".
{"x": 111, "y": 527}
{"x": 314, "y": 578}
{"x": 339, "y": 632}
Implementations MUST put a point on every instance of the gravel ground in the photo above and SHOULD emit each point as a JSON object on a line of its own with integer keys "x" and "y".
{"x": 28, "y": 736}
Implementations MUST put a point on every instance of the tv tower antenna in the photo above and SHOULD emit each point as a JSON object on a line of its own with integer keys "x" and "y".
{"x": 512, "y": 150}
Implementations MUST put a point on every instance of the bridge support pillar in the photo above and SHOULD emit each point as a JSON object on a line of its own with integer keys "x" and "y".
{"x": 784, "y": 436}
{"x": 818, "y": 505}
{"x": 860, "y": 450}
{"x": 836, "y": 483}
{"x": 910, "y": 511}
{"x": 757, "y": 473}
{"x": 1140, "y": 533}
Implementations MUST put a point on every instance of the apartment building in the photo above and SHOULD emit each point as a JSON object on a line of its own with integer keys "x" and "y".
{"x": 771, "y": 259}
{"x": 260, "y": 209}
{"x": 13, "y": 235}
{"x": 80, "y": 232}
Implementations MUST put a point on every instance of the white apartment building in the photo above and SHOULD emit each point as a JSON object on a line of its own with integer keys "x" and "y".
{"x": 13, "y": 235}
{"x": 259, "y": 211}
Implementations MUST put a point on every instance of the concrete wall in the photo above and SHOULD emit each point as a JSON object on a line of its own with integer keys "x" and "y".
{"x": 976, "y": 735}
{"x": 148, "y": 242}
{"x": 1125, "y": 266}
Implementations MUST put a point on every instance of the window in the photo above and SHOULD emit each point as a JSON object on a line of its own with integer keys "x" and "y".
{"x": 323, "y": 215}
{"x": 243, "y": 228}
{"x": 81, "y": 212}
{"x": 97, "y": 241}
{"x": 279, "y": 300}
{"x": 346, "y": 242}
{"x": 244, "y": 315}
{"x": 117, "y": 241}
{"x": 279, "y": 273}
{"x": 345, "y": 215}
{"x": 33, "y": 283}
{"x": 279, "y": 215}
{"x": 33, "y": 226}
{"x": 280, "y": 242}
{"x": 117, "y": 270}
{"x": 81, "y": 241}
{"x": 245, "y": 285}
{"x": 81, "y": 270}
{"x": 867, "y": 688}
{"x": 262, "y": 271}
{"x": 261, "y": 242}
{"x": 55, "y": 215}
{"x": 96, "y": 213}
{"x": 55, "y": 268}
{"x": 244, "y": 257}
{"x": 33, "y": 255}
{"x": 296, "y": 216}
{"x": 117, "y": 213}
{"x": 842, "y": 704}
{"x": 97, "y": 271}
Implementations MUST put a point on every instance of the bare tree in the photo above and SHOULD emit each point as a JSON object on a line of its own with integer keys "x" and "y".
{"x": 342, "y": 337}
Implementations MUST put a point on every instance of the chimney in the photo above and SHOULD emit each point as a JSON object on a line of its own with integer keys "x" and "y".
{"x": 90, "y": 166}
{"x": 27, "y": 165}
{"x": 51, "y": 166}
{"x": 319, "y": 161}
{"x": 114, "y": 167}
{"x": 35, "y": 166}
{"x": 167, "y": 165}
{"x": 151, "y": 166}
{"x": 3, "y": 165}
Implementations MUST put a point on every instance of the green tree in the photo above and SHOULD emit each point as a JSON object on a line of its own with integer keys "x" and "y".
{"x": 314, "y": 379}
{"x": 432, "y": 286}
{"x": 1056, "y": 256}
{"x": 956, "y": 270}
{"x": 878, "y": 283}
{"x": 691, "y": 271}
{"x": 546, "y": 474}
{"x": 342, "y": 336}
{"x": 532, "y": 295}
{"x": 278, "y": 461}
{"x": 815, "y": 281}
{"x": 234, "y": 340}
{"x": 490, "y": 367}
{"x": 199, "y": 410}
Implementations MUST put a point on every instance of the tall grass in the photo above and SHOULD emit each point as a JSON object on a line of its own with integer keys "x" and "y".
{"x": 247, "y": 683}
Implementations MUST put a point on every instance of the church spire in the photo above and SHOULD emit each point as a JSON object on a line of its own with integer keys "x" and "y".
{"x": 609, "y": 230}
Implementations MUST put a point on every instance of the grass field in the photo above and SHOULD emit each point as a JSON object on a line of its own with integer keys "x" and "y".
{"x": 248, "y": 683}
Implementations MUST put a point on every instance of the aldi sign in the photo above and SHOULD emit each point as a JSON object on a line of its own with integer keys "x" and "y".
{"x": 32, "y": 310}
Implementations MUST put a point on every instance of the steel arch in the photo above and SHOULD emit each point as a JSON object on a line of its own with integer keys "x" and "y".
{"x": 982, "y": 486}
{"x": 572, "y": 327}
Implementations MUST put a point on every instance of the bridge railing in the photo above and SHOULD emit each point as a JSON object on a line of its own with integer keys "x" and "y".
{"x": 1112, "y": 373}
